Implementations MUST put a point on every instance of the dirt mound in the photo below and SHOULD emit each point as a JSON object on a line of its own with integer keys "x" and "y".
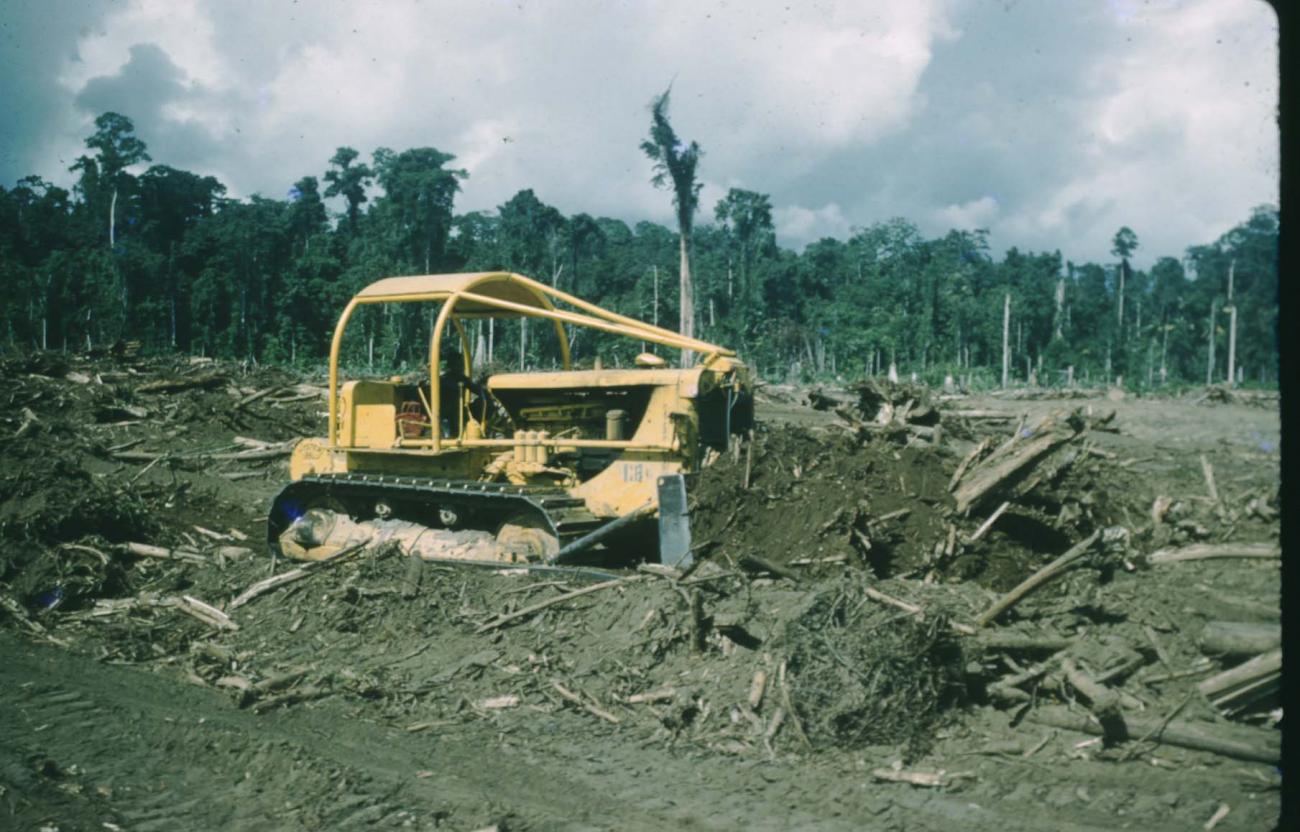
{"x": 817, "y": 500}
{"x": 114, "y": 449}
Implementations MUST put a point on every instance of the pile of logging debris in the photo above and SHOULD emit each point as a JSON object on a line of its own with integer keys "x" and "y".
{"x": 1030, "y": 456}
{"x": 1223, "y": 394}
{"x": 882, "y": 409}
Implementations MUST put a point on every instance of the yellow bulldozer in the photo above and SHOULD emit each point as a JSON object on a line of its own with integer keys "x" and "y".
{"x": 525, "y": 467}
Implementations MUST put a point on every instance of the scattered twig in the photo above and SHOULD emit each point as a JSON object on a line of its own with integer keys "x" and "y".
{"x": 789, "y": 706}
{"x": 502, "y": 620}
{"x": 988, "y": 524}
{"x": 1135, "y": 749}
{"x": 877, "y": 595}
{"x": 590, "y": 708}
{"x": 206, "y": 613}
{"x": 146, "y": 550}
{"x": 1219, "y": 814}
{"x": 1208, "y": 471}
{"x": 1040, "y": 745}
{"x": 276, "y": 581}
{"x": 649, "y": 697}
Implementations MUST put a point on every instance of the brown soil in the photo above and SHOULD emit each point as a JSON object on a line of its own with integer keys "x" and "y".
{"x": 370, "y": 694}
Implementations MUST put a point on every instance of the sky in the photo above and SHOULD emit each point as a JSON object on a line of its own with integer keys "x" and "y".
{"x": 1049, "y": 123}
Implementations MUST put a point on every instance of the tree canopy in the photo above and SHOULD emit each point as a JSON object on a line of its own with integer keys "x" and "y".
{"x": 263, "y": 279}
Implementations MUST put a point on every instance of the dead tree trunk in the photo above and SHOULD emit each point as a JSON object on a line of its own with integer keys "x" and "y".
{"x": 687, "y": 292}
{"x": 1006, "y": 339}
{"x": 1232, "y": 328}
{"x": 1209, "y": 367}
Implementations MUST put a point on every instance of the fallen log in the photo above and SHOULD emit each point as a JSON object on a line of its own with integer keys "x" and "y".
{"x": 1206, "y": 551}
{"x": 302, "y": 694}
{"x": 819, "y": 399}
{"x": 30, "y": 422}
{"x": 1238, "y": 687}
{"x": 929, "y": 779}
{"x": 252, "y": 397}
{"x": 986, "y": 478}
{"x": 1009, "y": 687}
{"x": 1102, "y": 702}
{"x": 1239, "y": 638}
{"x": 590, "y": 539}
{"x": 756, "y": 688}
{"x": 984, "y": 415}
{"x": 178, "y": 384}
{"x": 1235, "y": 741}
{"x": 1042, "y": 576}
{"x": 650, "y": 697}
{"x": 498, "y": 703}
{"x": 1207, "y": 470}
{"x": 885, "y": 518}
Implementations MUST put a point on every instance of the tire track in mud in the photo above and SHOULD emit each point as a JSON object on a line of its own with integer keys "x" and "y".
{"x": 83, "y": 743}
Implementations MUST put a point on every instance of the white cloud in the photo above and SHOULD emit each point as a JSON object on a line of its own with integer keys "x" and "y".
{"x": 183, "y": 28}
{"x": 1185, "y": 140}
{"x": 797, "y": 225}
{"x": 977, "y": 213}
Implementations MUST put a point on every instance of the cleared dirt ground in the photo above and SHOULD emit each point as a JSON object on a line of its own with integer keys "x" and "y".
{"x": 382, "y": 693}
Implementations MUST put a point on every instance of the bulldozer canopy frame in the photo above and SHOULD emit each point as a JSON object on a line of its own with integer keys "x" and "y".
{"x": 493, "y": 295}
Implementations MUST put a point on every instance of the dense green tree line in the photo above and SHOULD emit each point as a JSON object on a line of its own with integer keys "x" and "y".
{"x": 165, "y": 257}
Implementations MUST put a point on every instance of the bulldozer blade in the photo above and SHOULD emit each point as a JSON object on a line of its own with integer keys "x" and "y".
{"x": 674, "y": 522}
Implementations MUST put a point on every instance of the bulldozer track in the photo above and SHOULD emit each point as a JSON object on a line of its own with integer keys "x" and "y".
{"x": 566, "y": 517}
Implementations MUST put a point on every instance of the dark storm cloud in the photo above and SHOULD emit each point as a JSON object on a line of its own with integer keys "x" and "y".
{"x": 36, "y": 41}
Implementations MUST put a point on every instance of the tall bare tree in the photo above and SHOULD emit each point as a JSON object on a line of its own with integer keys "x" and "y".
{"x": 674, "y": 163}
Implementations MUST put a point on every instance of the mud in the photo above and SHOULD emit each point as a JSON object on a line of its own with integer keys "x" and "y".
{"x": 386, "y": 693}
